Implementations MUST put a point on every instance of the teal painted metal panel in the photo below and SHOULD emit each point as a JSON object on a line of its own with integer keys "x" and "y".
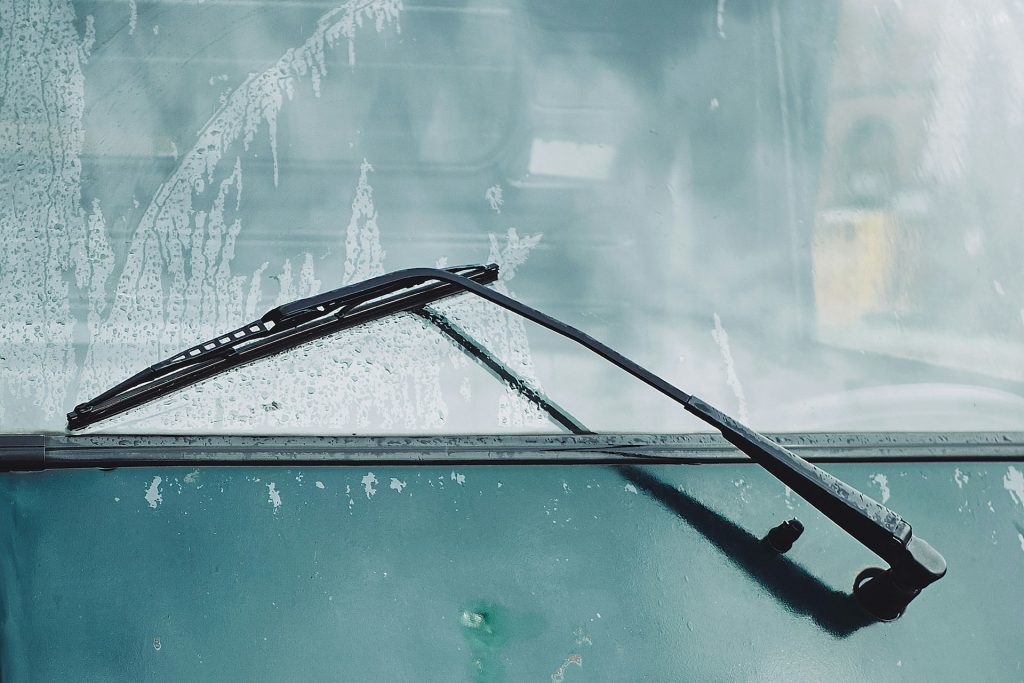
{"x": 493, "y": 573}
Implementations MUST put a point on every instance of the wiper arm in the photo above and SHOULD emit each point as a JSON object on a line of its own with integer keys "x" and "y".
{"x": 914, "y": 564}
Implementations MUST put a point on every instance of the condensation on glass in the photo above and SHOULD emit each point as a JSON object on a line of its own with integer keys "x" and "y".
{"x": 806, "y": 212}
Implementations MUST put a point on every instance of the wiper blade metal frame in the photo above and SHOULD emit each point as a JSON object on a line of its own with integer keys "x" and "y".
{"x": 279, "y": 329}
{"x": 914, "y": 564}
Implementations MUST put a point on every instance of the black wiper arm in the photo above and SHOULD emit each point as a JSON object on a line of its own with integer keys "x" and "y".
{"x": 914, "y": 564}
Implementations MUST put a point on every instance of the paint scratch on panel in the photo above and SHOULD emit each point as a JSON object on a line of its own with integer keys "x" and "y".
{"x": 273, "y": 496}
{"x": 1013, "y": 482}
{"x": 960, "y": 478}
{"x": 368, "y": 481}
{"x": 153, "y": 496}
{"x": 559, "y": 674}
{"x": 882, "y": 482}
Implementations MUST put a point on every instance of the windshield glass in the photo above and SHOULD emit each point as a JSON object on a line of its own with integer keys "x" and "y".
{"x": 805, "y": 212}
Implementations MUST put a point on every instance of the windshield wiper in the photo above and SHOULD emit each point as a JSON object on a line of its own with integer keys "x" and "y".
{"x": 279, "y": 329}
{"x": 914, "y": 564}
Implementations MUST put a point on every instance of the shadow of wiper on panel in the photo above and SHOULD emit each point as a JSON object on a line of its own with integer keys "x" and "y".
{"x": 783, "y": 579}
{"x": 800, "y": 591}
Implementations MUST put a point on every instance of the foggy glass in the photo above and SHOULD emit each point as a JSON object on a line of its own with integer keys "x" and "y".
{"x": 807, "y": 213}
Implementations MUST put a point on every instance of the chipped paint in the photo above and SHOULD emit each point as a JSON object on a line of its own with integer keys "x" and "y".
{"x": 319, "y": 484}
{"x": 368, "y": 481}
{"x": 960, "y": 478}
{"x": 459, "y": 479}
{"x": 397, "y": 484}
{"x": 191, "y": 477}
{"x": 882, "y": 482}
{"x": 1013, "y": 482}
{"x": 273, "y": 496}
{"x": 559, "y": 674}
{"x": 153, "y": 496}
{"x": 631, "y": 489}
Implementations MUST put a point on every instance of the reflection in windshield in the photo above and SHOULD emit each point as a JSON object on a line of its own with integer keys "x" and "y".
{"x": 803, "y": 211}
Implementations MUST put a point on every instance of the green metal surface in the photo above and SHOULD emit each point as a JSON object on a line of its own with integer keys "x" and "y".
{"x": 493, "y": 573}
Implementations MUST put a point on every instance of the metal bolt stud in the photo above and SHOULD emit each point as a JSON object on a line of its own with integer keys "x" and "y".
{"x": 782, "y": 537}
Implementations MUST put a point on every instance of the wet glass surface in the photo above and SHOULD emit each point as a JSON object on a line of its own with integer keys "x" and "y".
{"x": 805, "y": 212}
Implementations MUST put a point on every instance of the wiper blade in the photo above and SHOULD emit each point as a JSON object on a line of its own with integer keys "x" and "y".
{"x": 914, "y": 564}
{"x": 279, "y": 329}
